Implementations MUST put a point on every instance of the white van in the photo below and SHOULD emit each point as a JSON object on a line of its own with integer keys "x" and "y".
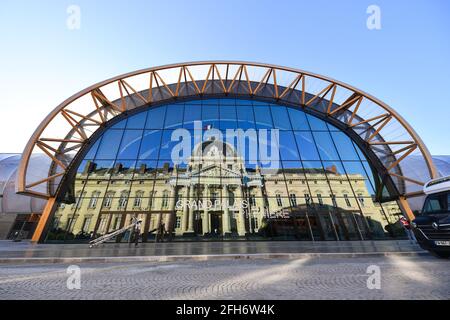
{"x": 432, "y": 226}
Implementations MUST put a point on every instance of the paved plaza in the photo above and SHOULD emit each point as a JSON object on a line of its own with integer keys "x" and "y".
{"x": 402, "y": 277}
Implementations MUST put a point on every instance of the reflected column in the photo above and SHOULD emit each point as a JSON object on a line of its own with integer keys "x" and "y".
{"x": 226, "y": 211}
{"x": 205, "y": 221}
{"x": 185, "y": 219}
{"x": 241, "y": 220}
{"x": 191, "y": 219}
{"x": 261, "y": 204}
{"x": 169, "y": 221}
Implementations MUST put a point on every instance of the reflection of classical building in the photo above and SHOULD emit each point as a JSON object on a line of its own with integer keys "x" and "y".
{"x": 216, "y": 196}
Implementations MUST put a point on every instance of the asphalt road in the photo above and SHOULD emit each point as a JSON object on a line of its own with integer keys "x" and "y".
{"x": 401, "y": 277}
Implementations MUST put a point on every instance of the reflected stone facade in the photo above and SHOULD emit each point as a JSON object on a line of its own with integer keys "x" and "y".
{"x": 216, "y": 197}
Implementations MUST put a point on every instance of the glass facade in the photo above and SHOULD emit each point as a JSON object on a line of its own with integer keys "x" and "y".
{"x": 225, "y": 169}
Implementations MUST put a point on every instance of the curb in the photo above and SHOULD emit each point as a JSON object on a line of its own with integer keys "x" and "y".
{"x": 174, "y": 258}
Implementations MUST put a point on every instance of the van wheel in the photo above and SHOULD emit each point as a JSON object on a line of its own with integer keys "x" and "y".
{"x": 442, "y": 255}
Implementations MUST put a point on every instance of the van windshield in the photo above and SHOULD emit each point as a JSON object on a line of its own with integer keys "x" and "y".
{"x": 437, "y": 203}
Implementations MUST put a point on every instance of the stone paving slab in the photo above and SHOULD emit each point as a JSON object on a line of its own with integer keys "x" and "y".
{"x": 411, "y": 278}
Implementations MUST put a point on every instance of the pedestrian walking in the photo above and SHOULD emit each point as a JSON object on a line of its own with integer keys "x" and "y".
{"x": 407, "y": 227}
{"x": 160, "y": 233}
{"x": 137, "y": 232}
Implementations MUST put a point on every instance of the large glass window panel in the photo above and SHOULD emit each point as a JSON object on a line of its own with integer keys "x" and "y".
{"x": 145, "y": 172}
{"x": 102, "y": 166}
{"x": 263, "y": 117}
{"x": 337, "y": 178}
{"x": 332, "y": 128}
{"x": 325, "y": 145}
{"x": 358, "y": 150}
{"x": 120, "y": 125}
{"x": 84, "y": 166}
{"x": 174, "y": 116}
{"x": 245, "y": 117}
{"x": 245, "y": 144}
{"x": 344, "y": 146}
{"x": 151, "y": 142}
{"x": 124, "y": 167}
{"x": 109, "y": 145}
{"x": 280, "y": 118}
{"x": 316, "y": 124}
{"x": 228, "y": 117}
{"x": 192, "y": 113}
{"x": 295, "y": 178}
{"x": 137, "y": 121}
{"x": 155, "y": 118}
{"x": 288, "y": 146}
{"x": 298, "y": 119}
{"x": 370, "y": 173}
{"x": 130, "y": 144}
{"x": 167, "y": 145}
{"x": 268, "y": 145}
{"x": 316, "y": 177}
{"x": 270, "y": 168}
{"x": 306, "y": 145}
{"x": 210, "y": 116}
{"x": 93, "y": 150}
{"x": 358, "y": 178}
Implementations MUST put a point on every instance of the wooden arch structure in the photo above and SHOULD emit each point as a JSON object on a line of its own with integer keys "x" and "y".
{"x": 380, "y": 131}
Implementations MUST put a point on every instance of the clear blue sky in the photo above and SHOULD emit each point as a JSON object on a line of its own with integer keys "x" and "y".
{"x": 406, "y": 63}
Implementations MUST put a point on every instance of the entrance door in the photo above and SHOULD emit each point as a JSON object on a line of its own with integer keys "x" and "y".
{"x": 216, "y": 224}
